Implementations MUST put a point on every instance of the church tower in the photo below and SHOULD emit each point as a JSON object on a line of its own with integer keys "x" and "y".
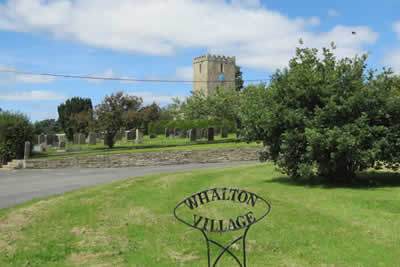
{"x": 210, "y": 72}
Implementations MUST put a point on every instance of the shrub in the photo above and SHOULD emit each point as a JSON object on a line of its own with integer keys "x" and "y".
{"x": 325, "y": 117}
{"x": 15, "y": 130}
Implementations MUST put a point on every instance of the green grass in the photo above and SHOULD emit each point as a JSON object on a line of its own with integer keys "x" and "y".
{"x": 125, "y": 146}
{"x": 178, "y": 148}
{"x": 130, "y": 223}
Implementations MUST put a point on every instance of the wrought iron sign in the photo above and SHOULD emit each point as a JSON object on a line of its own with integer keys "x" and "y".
{"x": 196, "y": 207}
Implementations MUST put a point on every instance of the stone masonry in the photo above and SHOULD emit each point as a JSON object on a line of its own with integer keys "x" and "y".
{"x": 151, "y": 158}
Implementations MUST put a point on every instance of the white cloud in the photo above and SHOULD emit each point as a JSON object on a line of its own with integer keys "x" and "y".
{"x": 396, "y": 28}
{"x": 184, "y": 73}
{"x": 161, "y": 99}
{"x": 333, "y": 12}
{"x": 260, "y": 38}
{"x": 109, "y": 74}
{"x": 392, "y": 58}
{"x": 35, "y": 95}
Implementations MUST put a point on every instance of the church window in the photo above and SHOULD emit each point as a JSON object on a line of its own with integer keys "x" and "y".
{"x": 222, "y": 67}
{"x": 200, "y": 67}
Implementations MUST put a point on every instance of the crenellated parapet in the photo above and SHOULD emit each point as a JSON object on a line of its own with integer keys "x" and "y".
{"x": 216, "y": 58}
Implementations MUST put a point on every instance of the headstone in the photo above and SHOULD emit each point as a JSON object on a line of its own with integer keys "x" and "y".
{"x": 42, "y": 147}
{"x": 42, "y": 138}
{"x": 166, "y": 132}
{"x": 92, "y": 139}
{"x": 35, "y": 139}
{"x": 119, "y": 135}
{"x": 61, "y": 137}
{"x": 139, "y": 136}
{"x": 130, "y": 135}
{"x": 224, "y": 132}
{"x": 54, "y": 140}
{"x": 182, "y": 133}
{"x": 81, "y": 139}
{"x": 152, "y": 136}
{"x": 27, "y": 150}
{"x": 62, "y": 145}
{"x": 76, "y": 138}
{"x": 192, "y": 134}
{"x": 198, "y": 133}
{"x": 210, "y": 134}
{"x": 204, "y": 133}
{"x": 176, "y": 131}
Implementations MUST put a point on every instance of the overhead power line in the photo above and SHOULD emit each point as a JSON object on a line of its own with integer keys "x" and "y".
{"x": 113, "y": 78}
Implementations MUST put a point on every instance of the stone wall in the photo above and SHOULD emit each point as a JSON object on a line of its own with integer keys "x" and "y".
{"x": 151, "y": 158}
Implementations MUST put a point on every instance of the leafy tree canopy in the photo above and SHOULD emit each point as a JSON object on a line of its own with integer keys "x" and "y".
{"x": 116, "y": 111}
{"x": 324, "y": 116}
{"x": 72, "y": 106}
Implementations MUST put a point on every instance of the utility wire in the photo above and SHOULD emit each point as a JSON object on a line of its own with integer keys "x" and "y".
{"x": 114, "y": 79}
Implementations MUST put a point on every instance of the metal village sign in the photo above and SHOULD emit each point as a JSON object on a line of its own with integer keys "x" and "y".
{"x": 199, "y": 203}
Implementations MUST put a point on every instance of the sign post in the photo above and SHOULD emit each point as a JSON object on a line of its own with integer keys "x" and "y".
{"x": 194, "y": 205}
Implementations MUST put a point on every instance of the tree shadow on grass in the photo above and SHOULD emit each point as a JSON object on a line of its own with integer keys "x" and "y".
{"x": 363, "y": 180}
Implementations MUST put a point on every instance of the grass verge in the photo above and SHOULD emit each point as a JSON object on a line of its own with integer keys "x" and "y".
{"x": 130, "y": 223}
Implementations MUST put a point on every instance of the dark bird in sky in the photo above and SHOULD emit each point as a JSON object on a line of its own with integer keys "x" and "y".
{"x": 353, "y": 33}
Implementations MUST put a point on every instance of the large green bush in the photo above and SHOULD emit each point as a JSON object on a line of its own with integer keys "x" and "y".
{"x": 326, "y": 117}
{"x": 15, "y": 129}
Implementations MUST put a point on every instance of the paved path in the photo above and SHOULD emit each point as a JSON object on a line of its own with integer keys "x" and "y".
{"x": 22, "y": 185}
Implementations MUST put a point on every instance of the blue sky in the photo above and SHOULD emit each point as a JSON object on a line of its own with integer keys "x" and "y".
{"x": 157, "y": 39}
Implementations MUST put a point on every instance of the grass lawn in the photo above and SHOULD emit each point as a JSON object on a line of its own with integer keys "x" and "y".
{"x": 130, "y": 223}
{"x": 122, "y": 151}
{"x": 125, "y": 146}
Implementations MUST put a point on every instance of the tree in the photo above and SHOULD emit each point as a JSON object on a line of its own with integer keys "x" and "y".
{"x": 323, "y": 116}
{"x": 82, "y": 122}
{"x": 149, "y": 113}
{"x": 117, "y": 111}
{"x": 239, "y": 86}
{"x": 239, "y": 79}
{"x": 49, "y": 126}
{"x": 15, "y": 130}
{"x": 72, "y": 106}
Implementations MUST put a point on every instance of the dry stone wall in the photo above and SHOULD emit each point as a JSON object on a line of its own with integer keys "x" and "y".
{"x": 151, "y": 158}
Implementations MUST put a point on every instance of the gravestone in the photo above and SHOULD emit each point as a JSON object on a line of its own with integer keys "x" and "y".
{"x": 204, "y": 133}
{"x": 224, "y": 132}
{"x": 92, "y": 138}
{"x": 139, "y": 136}
{"x": 182, "y": 133}
{"x": 35, "y": 139}
{"x": 81, "y": 139}
{"x": 42, "y": 138}
{"x": 166, "y": 132}
{"x": 176, "y": 132}
{"x": 55, "y": 141}
{"x": 130, "y": 135}
{"x": 62, "y": 145}
{"x": 210, "y": 134}
{"x": 198, "y": 133}
{"x": 27, "y": 150}
{"x": 76, "y": 139}
{"x": 42, "y": 147}
{"x": 192, "y": 134}
{"x": 61, "y": 137}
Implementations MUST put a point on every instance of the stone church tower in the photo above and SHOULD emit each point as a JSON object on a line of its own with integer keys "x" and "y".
{"x": 210, "y": 72}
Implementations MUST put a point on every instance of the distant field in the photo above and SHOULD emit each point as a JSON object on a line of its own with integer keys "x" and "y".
{"x": 130, "y": 223}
